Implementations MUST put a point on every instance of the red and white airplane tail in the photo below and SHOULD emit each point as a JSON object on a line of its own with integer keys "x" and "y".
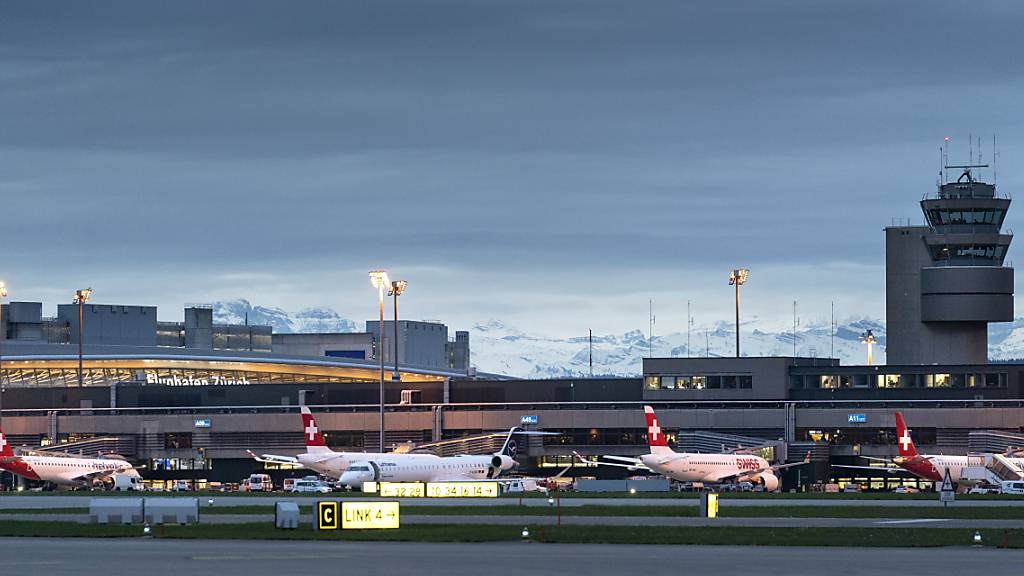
{"x": 5, "y": 448}
{"x": 903, "y": 442}
{"x": 655, "y": 436}
{"x": 314, "y": 438}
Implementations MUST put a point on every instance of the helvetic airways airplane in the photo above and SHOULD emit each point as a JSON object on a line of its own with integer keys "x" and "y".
{"x": 698, "y": 467}
{"x": 354, "y": 468}
{"x": 928, "y": 466}
{"x": 63, "y": 470}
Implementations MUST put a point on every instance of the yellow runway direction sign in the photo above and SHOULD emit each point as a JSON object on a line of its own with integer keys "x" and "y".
{"x": 402, "y": 489}
{"x": 462, "y": 489}
{"x": 369, "y": 515}
{"x": 327, "y": 515}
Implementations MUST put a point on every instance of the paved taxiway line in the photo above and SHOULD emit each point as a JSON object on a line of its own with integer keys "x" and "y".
{"x": 79, "y": 556}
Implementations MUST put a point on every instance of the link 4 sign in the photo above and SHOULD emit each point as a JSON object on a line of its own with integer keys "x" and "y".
{"x": 369, "y": 515}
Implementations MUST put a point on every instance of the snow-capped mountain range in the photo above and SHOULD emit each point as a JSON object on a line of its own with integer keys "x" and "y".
{"x": 502, "y": 349}
{"x": 308, "y": 320}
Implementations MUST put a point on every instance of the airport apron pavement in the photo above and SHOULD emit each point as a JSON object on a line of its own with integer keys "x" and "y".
{"x": 154, "y": 557}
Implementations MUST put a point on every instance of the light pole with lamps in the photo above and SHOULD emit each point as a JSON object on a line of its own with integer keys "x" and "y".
{"x": 3, "y": 334}
{"x": 737, "y": 278}
{"x": 380, "y": 281}
{"x": 81, "y": 297}
{"x": 396, "y": 289}
{"x": 868, "y": 338}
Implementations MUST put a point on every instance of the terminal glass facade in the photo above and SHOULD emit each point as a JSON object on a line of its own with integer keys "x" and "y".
{"x": 924, "y": 380}
{"x": 699, "y": 382}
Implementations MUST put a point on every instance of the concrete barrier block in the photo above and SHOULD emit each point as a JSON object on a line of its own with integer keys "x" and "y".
{"x": 115, "y": 510}
{"x": 172, "y": 510}
{"x": 286, "y": 516}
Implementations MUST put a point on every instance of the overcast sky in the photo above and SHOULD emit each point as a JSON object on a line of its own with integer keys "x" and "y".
{"x": 551, "y": 164}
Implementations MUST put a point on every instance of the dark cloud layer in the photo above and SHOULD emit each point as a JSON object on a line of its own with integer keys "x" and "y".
{"x": 554, "y": 138}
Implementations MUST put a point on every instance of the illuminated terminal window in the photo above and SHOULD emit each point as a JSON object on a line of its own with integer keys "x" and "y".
{"x": 699, "y": 382}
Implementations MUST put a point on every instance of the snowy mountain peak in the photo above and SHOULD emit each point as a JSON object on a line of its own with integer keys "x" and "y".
{"x": 500, "y": 348}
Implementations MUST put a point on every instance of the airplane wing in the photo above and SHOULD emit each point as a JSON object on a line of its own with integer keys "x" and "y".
{"x": 620, "y": 458}
{"x": 98, "y": 474}
{"x": 636, "y": 464}
{"x": 274, "y": 459}
{"x": 748, "y": 473}
{"x": 640, "y": 463}
{"x": 889, "y": 469}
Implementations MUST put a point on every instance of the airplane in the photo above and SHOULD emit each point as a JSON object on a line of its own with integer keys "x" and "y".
{"x": 354, "y": 468}
{"x": 64, "y": 470}
{"x": 929, "y": 466}
{"x": 699, "y": 467}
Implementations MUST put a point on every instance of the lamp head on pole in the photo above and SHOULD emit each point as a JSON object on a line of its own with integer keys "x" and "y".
{"x": 739, "y": 276}
{"x": 379, "y": 279}
{"x": 3, "y": 290}
{"x": 868, "y": 338}
{"x": 397, "y": 287}
{"x": 82, "y": 296}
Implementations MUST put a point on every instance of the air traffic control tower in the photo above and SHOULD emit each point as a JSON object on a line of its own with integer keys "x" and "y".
{"x": 945, "y": 282}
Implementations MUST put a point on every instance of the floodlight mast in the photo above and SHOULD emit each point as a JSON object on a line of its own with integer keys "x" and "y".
{"x": 379, "y": 280}
{"x": 737, "y": 278}
{"x": 81, "y": 297}
{"x": 396, "y": 289}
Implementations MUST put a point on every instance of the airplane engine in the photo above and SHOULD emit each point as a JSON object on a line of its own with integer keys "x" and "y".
{"x": 499, "y": 464}
{"x": 770, "y": 481}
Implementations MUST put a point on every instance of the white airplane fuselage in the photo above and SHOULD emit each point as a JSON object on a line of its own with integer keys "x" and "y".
{"x": 421, "y": 468}
{"x": 66, "y": 471}
{"x": 695, "y": 467}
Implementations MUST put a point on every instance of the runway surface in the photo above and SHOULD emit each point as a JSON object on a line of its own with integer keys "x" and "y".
{"x": 74, "y": 557}
{"x": 81, "y": 500}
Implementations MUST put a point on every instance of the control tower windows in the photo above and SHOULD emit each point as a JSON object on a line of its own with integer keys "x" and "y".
{"x": 966, "y": 216}
{"x": 970, "y": 252}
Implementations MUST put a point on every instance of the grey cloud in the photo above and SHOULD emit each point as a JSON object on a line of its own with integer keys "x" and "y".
{"x": 552, "y": 137}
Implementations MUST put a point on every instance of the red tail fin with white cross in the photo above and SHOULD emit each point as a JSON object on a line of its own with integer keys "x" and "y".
{"x": 314, "y": 437}
{"x": 903, "y": 442}
{"x": 655, "y": 435}
{"x": 5, "y": 448}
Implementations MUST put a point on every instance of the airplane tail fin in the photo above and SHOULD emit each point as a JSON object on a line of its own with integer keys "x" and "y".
{"x": 5, "y": 447}
{"x": 903, "y": 442}
{"x": 655, "y": 436}
{"x": 511, "y": 447}
{"x": 314, "y": 437}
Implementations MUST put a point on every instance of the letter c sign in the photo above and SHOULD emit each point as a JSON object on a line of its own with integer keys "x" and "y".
{"x": 327, "y": 515}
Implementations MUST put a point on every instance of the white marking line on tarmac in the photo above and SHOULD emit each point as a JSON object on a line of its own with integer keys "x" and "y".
{"x": 277, "y": 557}
{"x": 913, "y": 521}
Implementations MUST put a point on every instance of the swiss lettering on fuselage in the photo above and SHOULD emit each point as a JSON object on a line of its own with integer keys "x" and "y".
{"x": 747, "y": 464}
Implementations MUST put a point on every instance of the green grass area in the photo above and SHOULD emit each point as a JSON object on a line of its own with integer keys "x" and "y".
{"x": 727, "y": 510}
{"x": 714, "y": 535}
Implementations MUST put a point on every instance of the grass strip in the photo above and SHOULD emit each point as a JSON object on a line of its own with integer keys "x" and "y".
{"x": 705, "y": 535}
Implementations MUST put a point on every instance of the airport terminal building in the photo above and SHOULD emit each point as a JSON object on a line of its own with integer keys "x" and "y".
{"x": 189, "y": 399}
